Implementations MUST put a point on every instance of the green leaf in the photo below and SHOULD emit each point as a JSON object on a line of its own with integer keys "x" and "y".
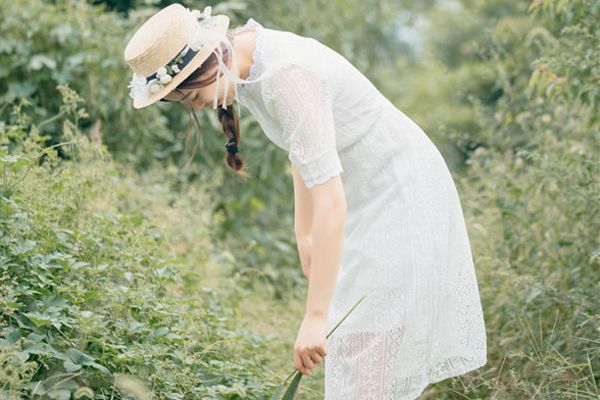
{"x": 70, "y": 366}
{"x": 293, "y": 388}
{"x": 37, "y": 388}
{"x": 34, "y": 337}
{"x": 100, "y": 368}
{"x": 44, "y": 349}
{"x": 79, "y": 357}
{"x": 60, "y": 394}
{"x": 12, "y": 337}
{"x": 39, "y": 319}
{"x": 21, "y": 89}
{"x": 23, "y": 355}
{"x": 39, "y": 61}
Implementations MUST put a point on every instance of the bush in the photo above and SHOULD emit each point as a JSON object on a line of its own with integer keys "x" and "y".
{"x": 94, "y": 282}
{"x": 531, "y": 196}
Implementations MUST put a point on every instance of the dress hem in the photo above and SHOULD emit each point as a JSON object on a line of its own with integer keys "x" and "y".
{"x": 467, "y": 367}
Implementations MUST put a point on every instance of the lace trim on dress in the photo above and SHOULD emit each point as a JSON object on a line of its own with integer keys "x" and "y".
{"x": 325, "y": 177}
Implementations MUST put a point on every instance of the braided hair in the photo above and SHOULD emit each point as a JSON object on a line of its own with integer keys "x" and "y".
{"x": 227, "y": 116}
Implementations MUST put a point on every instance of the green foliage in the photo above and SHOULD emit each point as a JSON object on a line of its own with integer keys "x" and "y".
{"x": 75, "y": 43}
{"x": 531, "y": 193}
{"x": 78, "y": 44}
{"x": 570, "y": 68}
{"x": 105, "y": 271}
{"x": 93, "y": 283}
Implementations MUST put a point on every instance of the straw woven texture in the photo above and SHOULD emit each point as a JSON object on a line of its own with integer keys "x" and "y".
{"x": 159, "y": 39}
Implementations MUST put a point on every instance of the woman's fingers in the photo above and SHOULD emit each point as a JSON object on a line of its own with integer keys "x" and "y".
{"x": 316, "y": 357}
{"x": 321, "y": 351}
{"x": 298, "y": 362}
{"x": 310, "y": 346}
{"x": 308, "y": 362}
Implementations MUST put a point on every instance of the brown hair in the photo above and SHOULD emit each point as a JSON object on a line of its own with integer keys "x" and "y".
{"x": 227, "y": 116}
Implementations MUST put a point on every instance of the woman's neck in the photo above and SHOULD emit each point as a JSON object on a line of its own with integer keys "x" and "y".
{"x": 244, "y": 44}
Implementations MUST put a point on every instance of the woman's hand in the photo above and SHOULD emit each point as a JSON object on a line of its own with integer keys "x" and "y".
{"x": 304, "y": 251}
{"x": 309, "y": 348}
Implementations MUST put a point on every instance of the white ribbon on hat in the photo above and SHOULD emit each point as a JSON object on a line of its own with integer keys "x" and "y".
{"x": 200, "y": 37}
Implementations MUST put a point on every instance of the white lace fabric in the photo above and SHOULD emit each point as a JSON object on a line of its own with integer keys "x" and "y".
{"x": 406, "y": 243}
{"x": 299, "y": 99}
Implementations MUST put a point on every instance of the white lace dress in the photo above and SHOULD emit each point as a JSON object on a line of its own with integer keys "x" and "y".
{"x": 406, "y": 245}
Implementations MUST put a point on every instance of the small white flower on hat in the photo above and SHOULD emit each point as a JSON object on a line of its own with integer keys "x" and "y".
{"x": 161, "y": 71}
{"x": 163, "y": 75}
{"x": 155, "y": 86}
{"x": 198, "y": 39}
{"x": 205, "y": 14}
{"x": 165, "y": 79}
{"x": 196, "y": 13}
{"x": 137, "y": 86}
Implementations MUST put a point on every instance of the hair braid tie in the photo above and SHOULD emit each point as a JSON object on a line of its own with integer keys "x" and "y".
{"x": 231, "y": 146}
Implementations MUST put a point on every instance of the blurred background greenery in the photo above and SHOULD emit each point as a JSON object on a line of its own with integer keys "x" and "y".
{"x": 116, "y": 260}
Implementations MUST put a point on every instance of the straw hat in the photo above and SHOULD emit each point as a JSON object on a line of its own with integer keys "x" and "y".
{"x": 168, "y": 47}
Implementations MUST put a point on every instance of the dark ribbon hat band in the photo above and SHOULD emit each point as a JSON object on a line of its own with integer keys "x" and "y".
{"x": 188, "y": 54}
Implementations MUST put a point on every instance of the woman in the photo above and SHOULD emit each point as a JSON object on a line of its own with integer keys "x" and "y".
{"x": 376, "y": 209}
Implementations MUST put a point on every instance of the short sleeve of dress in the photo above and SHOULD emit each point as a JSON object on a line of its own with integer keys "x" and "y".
{"x": 301, "y": 102}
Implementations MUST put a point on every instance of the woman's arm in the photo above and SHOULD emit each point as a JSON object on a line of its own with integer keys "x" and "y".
{"x": 328, "y": 221}
{"x": 319, "y": 219}
{"x": 302, "y": 101}
{"x": 302, "y": 220}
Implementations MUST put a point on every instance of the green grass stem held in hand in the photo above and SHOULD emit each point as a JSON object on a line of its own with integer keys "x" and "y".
{"x": 292, "y": 389}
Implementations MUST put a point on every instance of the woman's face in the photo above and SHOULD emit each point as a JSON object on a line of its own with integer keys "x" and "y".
{"x": 204, "y": 96}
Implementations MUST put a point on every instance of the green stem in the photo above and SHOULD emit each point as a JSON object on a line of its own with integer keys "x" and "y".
{"x": 345, "y": 316}
{"x": 55, "y": 117}
{"x": 334, "y": 328}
